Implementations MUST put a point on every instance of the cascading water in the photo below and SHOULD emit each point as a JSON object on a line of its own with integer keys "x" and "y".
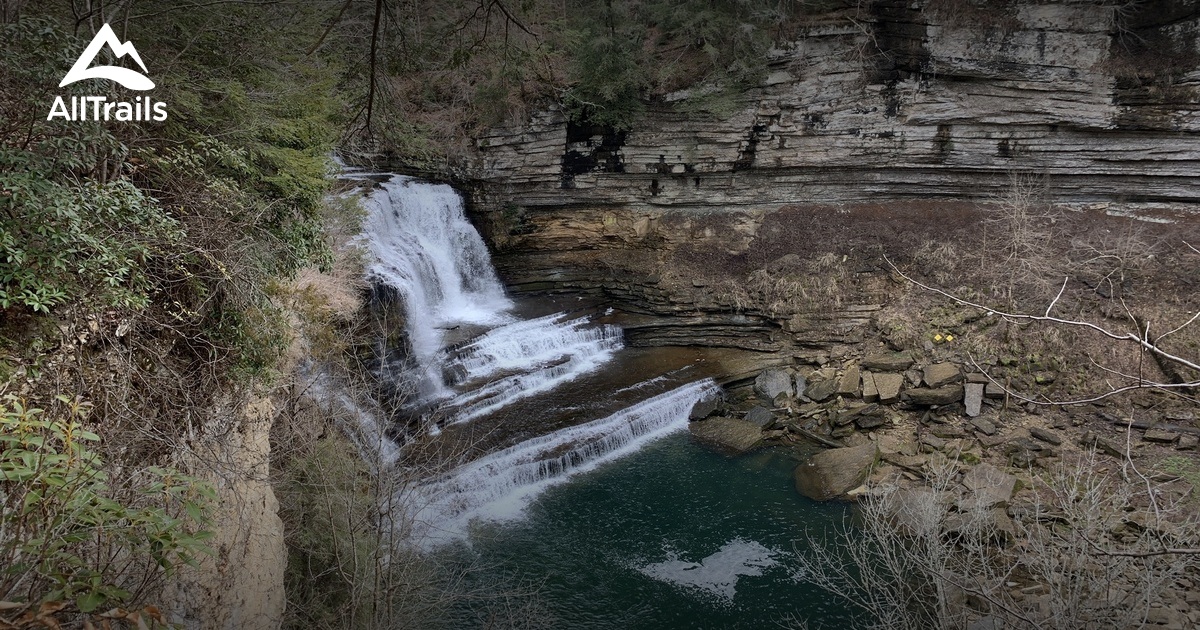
{"x": 427, "y": 251}
{"x": 499, "y": 485}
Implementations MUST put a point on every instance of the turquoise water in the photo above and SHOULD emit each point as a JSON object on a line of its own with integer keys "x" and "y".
{"x": 673, "y": 536}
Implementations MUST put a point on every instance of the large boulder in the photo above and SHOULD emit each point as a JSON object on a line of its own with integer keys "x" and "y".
{"x": 822, "y": 384}
{"x": 760, "y": 416}
{"x": 771, "y": 383}
{"x": 728, "y": 434}
{"x": 705, "y": 407}
{"x": 831, "y": 474}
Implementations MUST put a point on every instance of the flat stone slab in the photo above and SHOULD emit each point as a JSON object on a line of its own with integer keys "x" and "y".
{"x": 945, "y": 395}
{"x": 973, "y": 398}
{"x": 1160, "y": 436}
{"x": 940, "y": 374}
{"x": 888, "y": 362}
{"x": 730, "y": 434}
{"x": 849, "y": 382}
{"x": 884, "y": 388}
{"x": 984, "y": 426}
{"x": 1045, "y": 435}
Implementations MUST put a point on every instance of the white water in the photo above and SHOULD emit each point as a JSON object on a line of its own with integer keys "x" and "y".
{"x": 718, "y": 573}
{"x": 500, "y": 485}
{"x": 545, "y": 352}
{"x": 425, "y": 248}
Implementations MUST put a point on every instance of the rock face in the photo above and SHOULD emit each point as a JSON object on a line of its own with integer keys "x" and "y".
{"x": 833, "y": 473}
{"x": 729, "y": 434}
{"x": 242, "y": 586}
{"x": 909, "y": 100}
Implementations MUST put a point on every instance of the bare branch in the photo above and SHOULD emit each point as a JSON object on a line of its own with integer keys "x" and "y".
{"x": 1056, "y": 298}
{"x": 1138, "y": 339}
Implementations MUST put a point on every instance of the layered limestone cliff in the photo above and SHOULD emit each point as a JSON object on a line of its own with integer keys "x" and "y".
{"x": 899, "y": 109}
{"x": 911, "y": 99}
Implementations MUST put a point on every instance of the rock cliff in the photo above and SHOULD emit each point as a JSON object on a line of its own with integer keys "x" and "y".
{"x": 905, "y": 99}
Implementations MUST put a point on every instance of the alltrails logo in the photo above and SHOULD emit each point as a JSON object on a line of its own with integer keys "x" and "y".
{"x": 143, "y": 108}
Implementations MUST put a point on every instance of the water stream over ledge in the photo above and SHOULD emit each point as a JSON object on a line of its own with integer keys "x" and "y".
{"x": 579, "y": 474}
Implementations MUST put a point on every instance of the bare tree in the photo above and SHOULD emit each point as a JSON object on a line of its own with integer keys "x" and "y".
{"x": 1085, "y": 548}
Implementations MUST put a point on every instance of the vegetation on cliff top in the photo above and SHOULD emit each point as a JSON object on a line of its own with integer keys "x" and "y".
{"x": 137, "y": 267}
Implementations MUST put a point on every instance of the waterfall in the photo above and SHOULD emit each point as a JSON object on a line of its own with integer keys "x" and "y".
{"x": 424, "y": 248}
{"x": 499, "y": 485}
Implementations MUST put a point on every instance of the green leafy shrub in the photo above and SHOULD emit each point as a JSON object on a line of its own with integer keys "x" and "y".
{"x": 91, "y": 241}
{"x": 69, "y": 532}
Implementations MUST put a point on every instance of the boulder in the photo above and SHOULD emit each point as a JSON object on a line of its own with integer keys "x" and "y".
{"x": 801, "y": 385}
{"x": 729, "y": 434}
{"x": 973, "y": 399}
{"x": 832, "y": 473}
{"x": 821, "y": 390}
{"x": 888, "y": 362}
{"x": 939, "y": 374}
{"x": 989, "y": 486}
{"x": 945, "y": 395}
{"x": 1187, "y": 443}
{"x": 760, "y": 416}
{"x": 993, "y": 391}
{"x": 849, "y": 382}
{"x": 771, "y": 383}
{"x": 705, "y": 407}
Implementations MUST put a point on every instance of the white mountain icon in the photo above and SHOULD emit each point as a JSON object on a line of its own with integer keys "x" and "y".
{"x": 126, "y": 77}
